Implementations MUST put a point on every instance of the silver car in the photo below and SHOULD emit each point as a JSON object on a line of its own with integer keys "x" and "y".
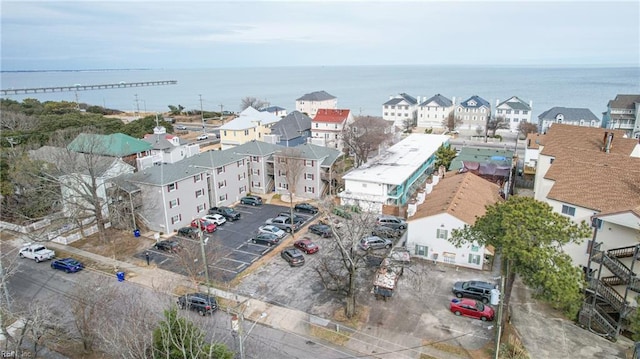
{"x": 374, "y": 242}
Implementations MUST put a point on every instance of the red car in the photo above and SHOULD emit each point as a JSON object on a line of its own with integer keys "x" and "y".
{"x": 205, "y": 225}
{"x": 306, "y": 245}
{"x": 471, "y": 308}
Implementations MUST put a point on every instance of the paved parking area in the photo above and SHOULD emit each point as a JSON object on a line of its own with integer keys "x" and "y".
{"x": 228, "y": 249}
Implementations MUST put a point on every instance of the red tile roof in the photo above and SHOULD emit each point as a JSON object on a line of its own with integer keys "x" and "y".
{"x": 331, "y": 115}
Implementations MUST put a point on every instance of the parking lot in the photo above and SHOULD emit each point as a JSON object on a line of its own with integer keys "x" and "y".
{"x": 228, "y": 249}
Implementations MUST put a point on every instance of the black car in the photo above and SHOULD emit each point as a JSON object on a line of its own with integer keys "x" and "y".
{"x": 321, "y": 229}
{"x": 268, "y": 239}
{"x": 474, "y": 289}
{"x": 252, "y": 200}
{"x": 168, "y": 245}
{"x": 306, "y": 207}
{"x": 199, "y": 302}
{"x": 189, "y": 232}
{"x": 296, "y": 219}
{"x": 293, "y": 256}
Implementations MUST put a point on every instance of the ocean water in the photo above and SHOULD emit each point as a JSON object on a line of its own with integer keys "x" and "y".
{"x": 362, "y": 89}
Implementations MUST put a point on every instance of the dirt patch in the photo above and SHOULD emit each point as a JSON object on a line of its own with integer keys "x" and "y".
{"x": 122, "y": 245}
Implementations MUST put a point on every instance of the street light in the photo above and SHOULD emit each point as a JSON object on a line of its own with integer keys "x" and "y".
{"x": 236, "y": 327}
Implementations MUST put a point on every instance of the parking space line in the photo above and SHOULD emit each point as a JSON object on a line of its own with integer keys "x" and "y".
{"x": 224, "y": 269}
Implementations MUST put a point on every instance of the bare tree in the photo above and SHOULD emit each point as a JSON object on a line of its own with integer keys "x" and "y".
{"x": 253, "y": 102}
{"x": 339, "y": 271}
{"x": 525, "y": 128}
{"x": 497, "y": 123}
{"x": 407, "y": 125}
{"x": 89, "y": 309}
{"x": 365, "y": 135}
{"x": 291, "y": 163}
{"x": 191, "y": 260}
{"x": 40, "y": 327}
{"x": 451, "y": 122}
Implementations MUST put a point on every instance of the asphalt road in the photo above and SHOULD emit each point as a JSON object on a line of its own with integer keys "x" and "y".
{"x": 38, "y": 282}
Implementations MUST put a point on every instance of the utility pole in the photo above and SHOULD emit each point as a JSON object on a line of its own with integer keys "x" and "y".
{"x": 204, "y": 131}
{"x": 137, "y": 107}
{"x": 204, "y": 255}
{"x": 237, "y": 321}
{"x": 221, "y": 116}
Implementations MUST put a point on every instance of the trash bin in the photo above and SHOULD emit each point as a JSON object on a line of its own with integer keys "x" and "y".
{"x": 120, "y": 276}
{"x": 136, "y": 232}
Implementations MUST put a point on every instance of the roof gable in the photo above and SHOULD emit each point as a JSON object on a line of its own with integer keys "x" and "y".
{"x": 292, "y": 126}
{"x": 438, "y": 100}
{"x": 475, "y": 101}
{"x": 464, "y": 196}
{"x": 316, "y": 96}
{"x": 568, "y": 114}
{"x": 515, "y": 103}
{"x": 114, "y": 145}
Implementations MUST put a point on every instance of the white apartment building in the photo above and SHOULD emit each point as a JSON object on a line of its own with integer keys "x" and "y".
{"x": 311, "y": 102}
{"x": 514, "y": 110}
{"x": 434, "y": 111}
{"x": 473, "y": 112}
{"x": 327, "y": 126}
{"x": 400, "y": 108}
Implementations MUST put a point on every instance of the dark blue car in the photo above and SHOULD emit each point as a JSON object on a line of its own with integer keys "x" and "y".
{"x": 68, "y": 265}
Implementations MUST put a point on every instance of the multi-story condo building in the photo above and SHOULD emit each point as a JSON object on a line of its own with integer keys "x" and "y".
{"x": 514, "y": 110}
{"x": 473, "y": 112}
{"x": 593, "y": 174}
{"x": 310, "y": 103}
{"x": 250, "y": 124}
{"x": 166, "y": 148}
{"x": 567, "y": 116}
{"x": 434, "y": 111}
{"x": 327, "y": 126}
{"x": 393, "y": 177}
{"x": 260, "y": 159}
{"x": 399, "y": 109}
{"x": 292, "y": 130}
{"x": 623, "y": 113}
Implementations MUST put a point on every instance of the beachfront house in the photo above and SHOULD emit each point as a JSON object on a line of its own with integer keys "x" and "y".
{"x": 250, "y": 125}
{"x": 327, "y": 126}
{"x": 433, "y": 111}
{"x": 473, "y": 112}
{"x": 275, "y": 110}
{"x": 567, "y": 116}
{"x": 623, "y": 113}
{"x": 387, "y": 182}
{"x": 291, "y": 131}
{"x": 445, "y": 204}
{"x": 514, "y": 111}
{"x": 400, "y": 108}
{"x": 165, "y": 148}
{"x": 310, "y": 103}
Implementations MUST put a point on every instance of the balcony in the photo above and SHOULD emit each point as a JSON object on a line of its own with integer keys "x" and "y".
{"x": 529, "y": 170}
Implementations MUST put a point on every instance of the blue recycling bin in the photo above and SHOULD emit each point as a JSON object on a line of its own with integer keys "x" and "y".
{"x": 120, "y": 276}
{"x": 136, "y": 232}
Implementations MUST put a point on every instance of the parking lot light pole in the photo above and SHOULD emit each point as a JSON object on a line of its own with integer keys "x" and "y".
{"x": 204, "y": 256}
{"x": 236, "y": 325}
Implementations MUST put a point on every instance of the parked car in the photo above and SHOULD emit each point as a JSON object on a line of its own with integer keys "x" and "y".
{"x": 293, "y": 256}
{"x": 306, "y": 207}
{"x": 471, "y": 308}
{"x": 181, "y": 127}
{"x": 306, "y": 245}
{"x": 205, "y": 225}
{"x": 283, "y": 223}
{"x": 252, "y": 200}
{"x": 218, "y": 219}
{"x": 267, "y": 228}
{"x": 296, "y": 219}
{"x": 392, "y": 222}
{"x": 374, "y": 242}
{"x": 229, "y": 213}
{"x": 36, "y": 251}
{"x": 68, "y": 265}
{"x": 268, "y": 239}
{"x": 322, "y": 230}
{"x": 386, "y": 232}
{"x": 189, "y": 232}
{"x": 203, "y": 136}
{"x": 199, "y": 302}
{"x": 168, "y": 245}
{"x": 474, "y": 289}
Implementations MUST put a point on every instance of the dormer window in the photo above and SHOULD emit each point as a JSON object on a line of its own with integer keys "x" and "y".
{"x": 471, "y": 103}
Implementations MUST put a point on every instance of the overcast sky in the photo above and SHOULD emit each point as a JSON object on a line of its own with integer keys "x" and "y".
{"x": 46, "y": 35}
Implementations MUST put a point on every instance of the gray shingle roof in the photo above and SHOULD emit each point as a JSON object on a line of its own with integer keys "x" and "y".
{"x": 315, "y": 152}
{"x": 569, "y": 113}
{"x": 478, "y": 100}
{"x": 316, "y": 96}
{"x": 439, "y": 99}
{"x": 399, "y": 98}
{"x": 272, "y": 109}
{"x": 516, "y": 103}
{"x": 292, "y": 126}
{"x": 624, "y": 101}
{"x": 158, "y": 141}
{"x": 256, "y": 148}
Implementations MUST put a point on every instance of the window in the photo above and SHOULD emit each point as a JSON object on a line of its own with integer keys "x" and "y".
{"x": 172, "y": 187}
{"x": 174, "y": 203}
{"x": 246, "y": 132}
{"x": 220, "y": 170}
{"x": 240, "y": 163}
{"x": 568, "y": 210}
{"x": 222, "y": 184}
{"x": 308, "y": 163}
{"x": 442, "y": 233}
{"x": 255, "y": 159}
{"x": 596, "y": 223}
{"x": 175, "y": 219}
{"x": 386, "y": 106}
{"x": 309, "y": 189}
{"x": 516, "y": 112}
{"x": 201, "y": 208}
{"x": 508, "y": 112}
{"x": 308, "y": 176}
{"x": 199, "y": 193}
{"x": 386, "y": 113}
{"x": 242, "y": 176}
{"x": 255, "y": 184}
{"x": 581, "y": 122}
{"x": 256, "y": 172}
{"x": 524, "y": 112}
{"x": 474, "y": 259}
{"x": 242, "y": 189}
{"x": 499, "y": 111}
{"x": 197, "y": 178}
{"x": 475, "y": 248}
{"x": 421, "y": 250}
{"x": 222, "y": 197}
{"x": 283, "y": 185}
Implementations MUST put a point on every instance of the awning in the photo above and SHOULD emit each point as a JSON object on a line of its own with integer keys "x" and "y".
{"x": 489, "y": 250}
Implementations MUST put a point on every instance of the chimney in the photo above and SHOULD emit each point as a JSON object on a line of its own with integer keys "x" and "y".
{"x": 497, "y": 102}
{"x": 453, "y": 100}
{"x": 604, "y": 139}
{"x": 609, "y": 142}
